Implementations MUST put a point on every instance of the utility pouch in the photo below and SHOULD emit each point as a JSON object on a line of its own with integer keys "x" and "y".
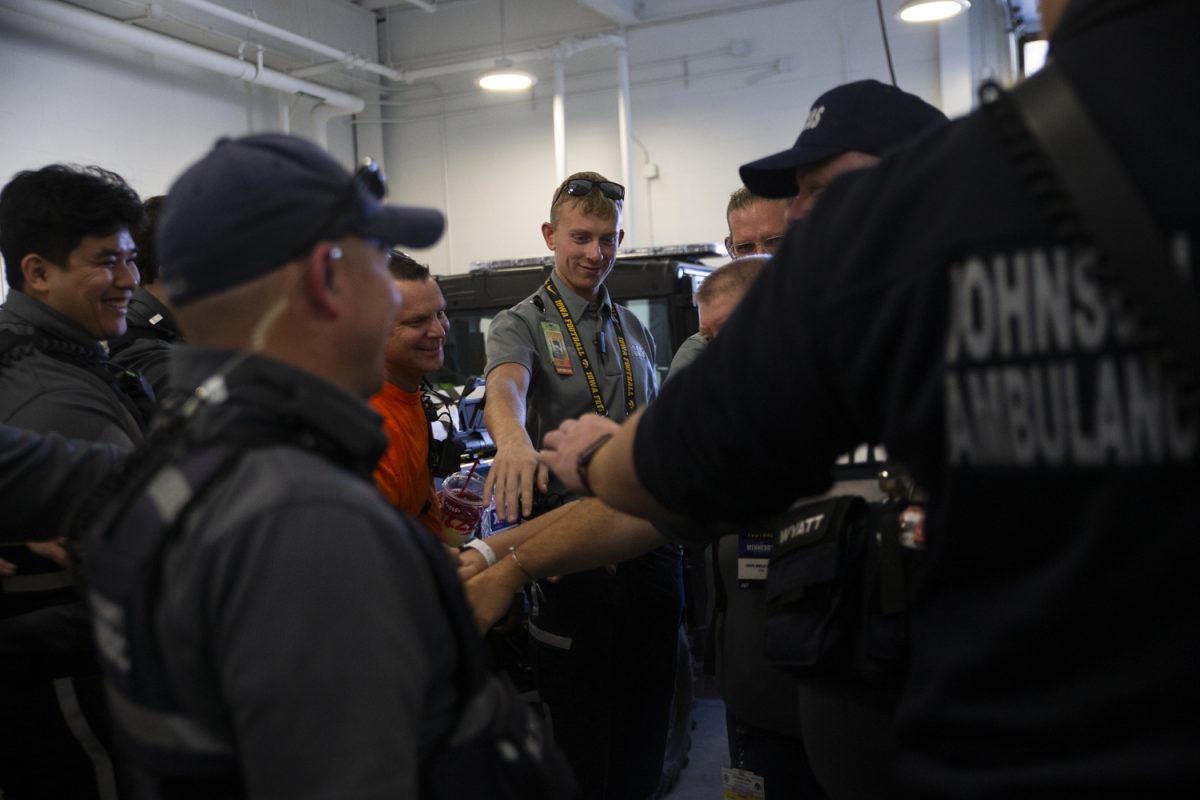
{"x": 814, "y": 585}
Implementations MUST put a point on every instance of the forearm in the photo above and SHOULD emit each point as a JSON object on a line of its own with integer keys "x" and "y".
{"x": 505, "y": 411}
{"x": 582, "y": 535}
{"x": 585, "y": 535}
{"x": 514, "y": 473}
{"x": 38, "y": 473}
{"x": 519, "y": 534}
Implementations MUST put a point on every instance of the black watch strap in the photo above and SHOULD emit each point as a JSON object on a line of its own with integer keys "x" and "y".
{"x": 585, "y": 460}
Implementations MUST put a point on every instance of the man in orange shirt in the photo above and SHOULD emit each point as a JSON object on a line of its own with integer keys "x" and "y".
{"x": 413, "y": 350}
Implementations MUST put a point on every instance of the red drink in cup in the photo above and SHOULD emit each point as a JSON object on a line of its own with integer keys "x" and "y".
{"x": 462, "y": 506}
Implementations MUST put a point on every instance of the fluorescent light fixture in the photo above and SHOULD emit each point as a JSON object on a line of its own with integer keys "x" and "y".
{"x": 504, "y": 78}
{"x": 931, "y": 10}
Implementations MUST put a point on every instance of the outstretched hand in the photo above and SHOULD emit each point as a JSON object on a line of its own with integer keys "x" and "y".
{"x": 562, "y": 446}
{"x": 514, "y": 473}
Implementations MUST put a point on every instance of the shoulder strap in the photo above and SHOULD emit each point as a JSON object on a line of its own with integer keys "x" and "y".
{"x": 1108, "y": 206}
{"x": 123, "y": 571}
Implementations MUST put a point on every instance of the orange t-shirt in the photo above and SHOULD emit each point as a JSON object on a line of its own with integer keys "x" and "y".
{"x": 402, "y": 474}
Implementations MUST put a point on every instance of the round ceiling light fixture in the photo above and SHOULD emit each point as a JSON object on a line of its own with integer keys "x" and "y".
{"x": 931, "y": 10}
{"x": 504, "y": 78}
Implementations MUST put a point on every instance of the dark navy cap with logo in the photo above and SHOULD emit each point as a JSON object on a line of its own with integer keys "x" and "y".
{"x": 254, "y": 203}
{"x": 867, "y": 116}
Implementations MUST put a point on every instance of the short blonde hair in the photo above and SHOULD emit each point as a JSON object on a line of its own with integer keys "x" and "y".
{"x": 744, "y": 198}
{"x": 592, "y": 204}
{"x": 737, "y": 275}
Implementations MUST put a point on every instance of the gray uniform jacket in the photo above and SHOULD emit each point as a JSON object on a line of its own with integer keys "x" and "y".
{"x": 517, "y": 336}
{"x": 298, "y": 618}
{"x": 688, "y": 352}
{"x": 48, "y": 394}
{"x": 44, "y": 393}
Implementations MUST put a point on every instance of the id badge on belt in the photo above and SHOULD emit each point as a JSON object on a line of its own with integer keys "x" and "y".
{"x": 742, "y": 784}
{"x": 754, "y": 553}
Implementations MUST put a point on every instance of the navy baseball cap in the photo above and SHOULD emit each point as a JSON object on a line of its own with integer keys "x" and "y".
{"x": 254, "y": 203}
{"x": 867, "y": 116}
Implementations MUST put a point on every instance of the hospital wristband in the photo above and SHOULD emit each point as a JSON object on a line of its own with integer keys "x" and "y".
{"x": 483, "y": 548}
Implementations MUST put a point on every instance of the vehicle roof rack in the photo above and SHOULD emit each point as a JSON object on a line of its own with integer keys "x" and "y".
{"x": 680, "y": 252}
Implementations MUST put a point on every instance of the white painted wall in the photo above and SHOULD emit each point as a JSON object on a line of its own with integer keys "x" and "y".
{"x": 698, "y": 110}
{"x": 66, "y": 96}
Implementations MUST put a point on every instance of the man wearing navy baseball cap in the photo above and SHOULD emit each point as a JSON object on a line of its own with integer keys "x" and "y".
{"x": 849, "y": 127}
{"x": 307, "y": 640}
{"x": 846, "y": 723}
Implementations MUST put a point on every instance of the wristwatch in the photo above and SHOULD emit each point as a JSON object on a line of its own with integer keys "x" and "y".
{"x": 585, "y": 460}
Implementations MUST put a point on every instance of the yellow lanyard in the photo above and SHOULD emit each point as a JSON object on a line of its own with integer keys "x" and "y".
{"x": 593, "y": 385}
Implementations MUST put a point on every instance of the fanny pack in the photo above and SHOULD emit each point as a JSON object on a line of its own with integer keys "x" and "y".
{"x": 837, "y": 590}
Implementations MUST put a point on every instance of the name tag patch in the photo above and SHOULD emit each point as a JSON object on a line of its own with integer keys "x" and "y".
{"x": 754, "y": 553}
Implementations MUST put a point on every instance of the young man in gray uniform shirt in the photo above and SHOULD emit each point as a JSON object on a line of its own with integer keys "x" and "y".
{"x": 603, "y": 643}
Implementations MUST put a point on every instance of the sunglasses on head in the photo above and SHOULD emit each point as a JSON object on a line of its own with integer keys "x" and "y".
{"x": 370, "y": 176}
{"x": 581, "y": 187}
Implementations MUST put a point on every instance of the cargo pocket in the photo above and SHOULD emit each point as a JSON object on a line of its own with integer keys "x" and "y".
{"x": 814, "y": 585}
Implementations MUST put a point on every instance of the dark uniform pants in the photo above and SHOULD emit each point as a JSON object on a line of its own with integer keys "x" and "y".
{"x": 55, "y": 741}
{"x": 52, "y": 735}
{"x": 780, "y": 760}
{"x": 608, "y": 691}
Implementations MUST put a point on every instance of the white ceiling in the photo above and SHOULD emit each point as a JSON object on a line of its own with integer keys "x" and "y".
{"x": 420, "y": 34}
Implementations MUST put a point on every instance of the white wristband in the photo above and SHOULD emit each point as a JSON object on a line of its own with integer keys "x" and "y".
{"x": 485, "y": 550}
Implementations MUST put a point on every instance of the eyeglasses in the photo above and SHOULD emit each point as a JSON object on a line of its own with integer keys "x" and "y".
{"x": 581, "y": 187}
{"x": 768, "y": 246}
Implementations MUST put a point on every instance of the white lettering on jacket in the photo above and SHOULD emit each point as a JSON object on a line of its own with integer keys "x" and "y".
{"x": 1045, "y": 366}
{"x": 799, "y": 528}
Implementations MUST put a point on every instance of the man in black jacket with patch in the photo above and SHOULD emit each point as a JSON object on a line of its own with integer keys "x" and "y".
{"x": 1054, "y": 644}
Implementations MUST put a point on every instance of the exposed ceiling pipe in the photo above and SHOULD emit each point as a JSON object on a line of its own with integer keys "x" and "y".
{"x": 559, "y": 119}
{"x": 564, "y": 49}
{"x": 374, "y": 5}
{"x": 625, "y": 138}
{"x": 339, "y": 57}
{"x": 345, "y": 59}
{"x": 335, "y": 103}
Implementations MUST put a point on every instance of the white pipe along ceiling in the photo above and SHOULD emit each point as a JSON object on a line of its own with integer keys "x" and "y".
{"x": 333, "y": 102}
